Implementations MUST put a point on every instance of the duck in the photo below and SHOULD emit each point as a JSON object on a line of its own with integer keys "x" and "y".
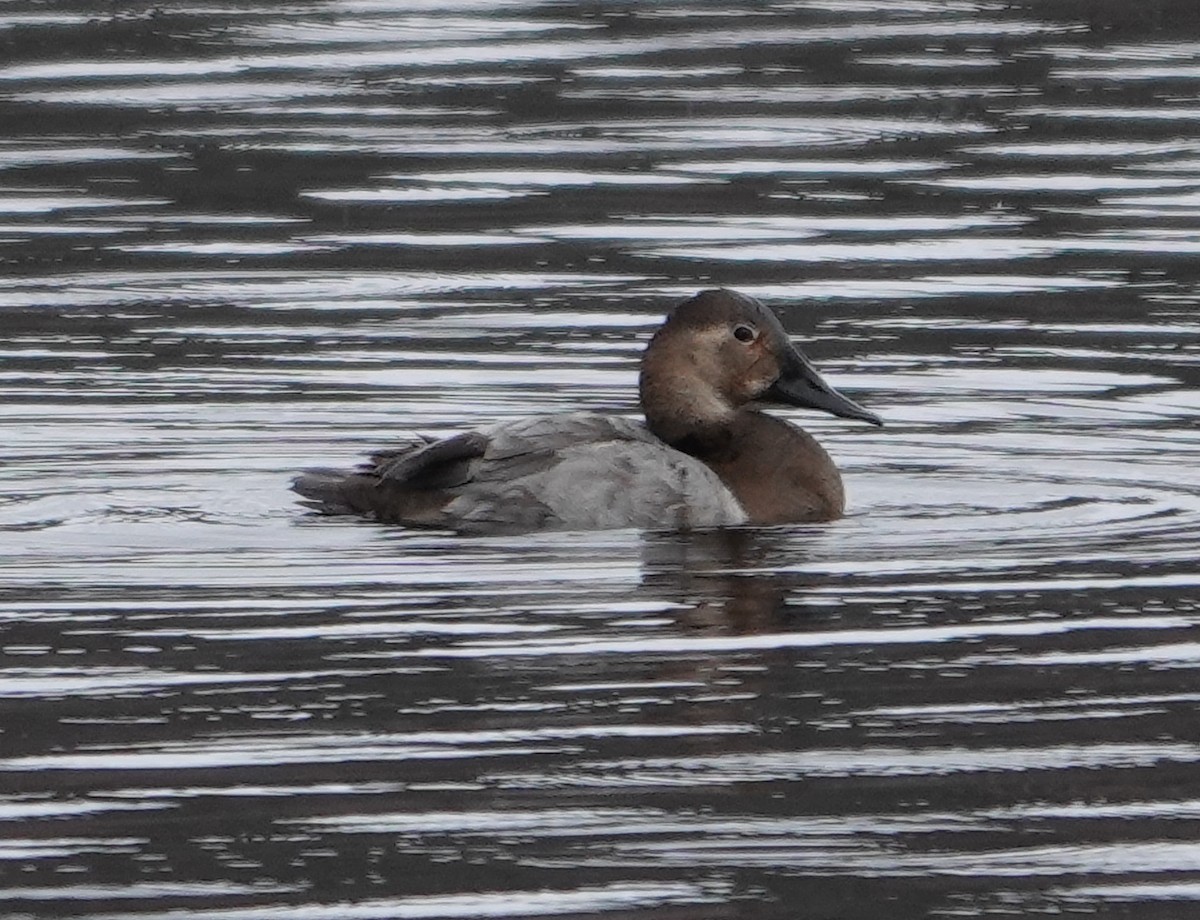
{"x": 706, "y": 455}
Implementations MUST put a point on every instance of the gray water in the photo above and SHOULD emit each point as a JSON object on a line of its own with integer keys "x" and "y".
{"x": 238, "y": 239}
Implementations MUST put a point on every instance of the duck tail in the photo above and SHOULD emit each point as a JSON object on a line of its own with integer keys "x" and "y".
{"x": 324, "y": 490}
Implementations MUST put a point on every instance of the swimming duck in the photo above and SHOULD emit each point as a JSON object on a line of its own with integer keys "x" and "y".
{"x": 705, "y": 457}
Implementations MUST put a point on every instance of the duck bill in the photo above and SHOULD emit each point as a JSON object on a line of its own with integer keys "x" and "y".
{"x": 801, "y": 385}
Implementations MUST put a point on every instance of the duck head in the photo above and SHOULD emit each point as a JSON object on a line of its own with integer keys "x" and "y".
{"x": 718, "y": 352}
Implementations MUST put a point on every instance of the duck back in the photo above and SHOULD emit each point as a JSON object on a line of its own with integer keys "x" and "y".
{"x": 578, "y": 472}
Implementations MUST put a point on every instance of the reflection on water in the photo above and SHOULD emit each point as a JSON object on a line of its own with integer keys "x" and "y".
{"x": 237, "y": 244}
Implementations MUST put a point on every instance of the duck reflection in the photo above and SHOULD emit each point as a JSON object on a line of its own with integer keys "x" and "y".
{"x": 728, "y": 581}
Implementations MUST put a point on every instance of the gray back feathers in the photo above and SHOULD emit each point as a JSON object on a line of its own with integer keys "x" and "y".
{"x": 577, "y": 472}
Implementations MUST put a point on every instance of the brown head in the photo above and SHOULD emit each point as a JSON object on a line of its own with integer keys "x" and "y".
{"x": 717, "y": 352}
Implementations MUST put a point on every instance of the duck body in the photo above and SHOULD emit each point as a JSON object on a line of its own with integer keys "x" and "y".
{"x": 547, "y": 472}
{"x": 705, "y": 458}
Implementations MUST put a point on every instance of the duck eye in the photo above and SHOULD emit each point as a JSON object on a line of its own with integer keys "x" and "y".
{"x": 744, "y": 333}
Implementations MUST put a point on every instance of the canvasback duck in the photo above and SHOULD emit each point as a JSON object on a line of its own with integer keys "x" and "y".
{"x": 705, "y": 457}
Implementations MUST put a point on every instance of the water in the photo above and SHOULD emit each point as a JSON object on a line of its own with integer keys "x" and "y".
{"x": 243, "y": 239}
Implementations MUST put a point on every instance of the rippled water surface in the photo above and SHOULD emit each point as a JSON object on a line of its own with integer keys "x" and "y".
{"x": 239, "y": 239}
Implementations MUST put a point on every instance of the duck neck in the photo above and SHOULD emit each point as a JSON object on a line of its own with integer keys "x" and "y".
{"x": 777, "y": 472}
{"x": 686, "y": 412}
